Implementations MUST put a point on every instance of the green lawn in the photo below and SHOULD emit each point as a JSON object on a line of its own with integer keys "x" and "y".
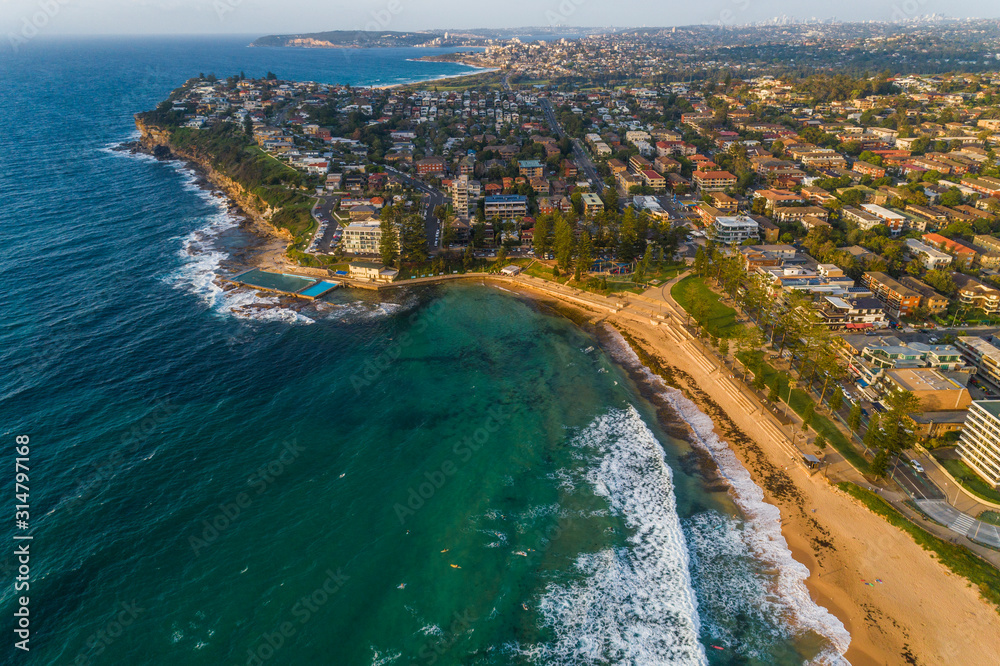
{"x": 721, "y": 320}
{"x": 991, "y": 517}
{"x": 957, "y": 558}
{"x": 970, "y": 480}
{"x": 799, "y": 400}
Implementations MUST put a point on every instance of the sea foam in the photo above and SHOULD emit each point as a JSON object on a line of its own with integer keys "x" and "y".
{"x": 764, "y": 538}
{"x": 636, "y": 604}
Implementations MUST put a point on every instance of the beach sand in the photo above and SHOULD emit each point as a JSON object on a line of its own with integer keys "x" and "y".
{"x": 920, "y": 613}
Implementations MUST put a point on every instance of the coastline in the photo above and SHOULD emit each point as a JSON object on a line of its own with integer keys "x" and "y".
{"x": 477, "y": 70}
{"x": 845, "y": 548}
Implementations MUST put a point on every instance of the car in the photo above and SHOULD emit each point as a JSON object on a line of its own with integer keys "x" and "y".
{"x": 916, "y": 465}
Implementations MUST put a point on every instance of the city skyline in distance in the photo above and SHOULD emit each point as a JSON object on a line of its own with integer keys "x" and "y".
{"x": 255, "y": 17}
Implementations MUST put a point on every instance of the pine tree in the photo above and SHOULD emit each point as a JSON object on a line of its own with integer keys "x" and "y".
{"x": 564, "y": 243}
{"x": 388, "y": 244}
{"x": 541, "y": 240}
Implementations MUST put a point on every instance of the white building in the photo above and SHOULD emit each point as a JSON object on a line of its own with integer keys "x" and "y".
{"x": 362, "y": 237}
{"x": 979, "y": 446}
{"x": 931, "y": 258}
{"x": 733, "y": 230}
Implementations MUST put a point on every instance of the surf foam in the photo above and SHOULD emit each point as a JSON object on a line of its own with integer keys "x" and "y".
{"x": 633, "y": 605}
{"x": 764, "y": 538}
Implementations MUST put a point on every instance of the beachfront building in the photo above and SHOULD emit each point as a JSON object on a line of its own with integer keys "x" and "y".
{"x": 900, "y": 301}
{"x": 371, "y": 271}
{"x": 362, "y": 237}
{"x": 734, "y": 230}
{"x": 979, "y": 445}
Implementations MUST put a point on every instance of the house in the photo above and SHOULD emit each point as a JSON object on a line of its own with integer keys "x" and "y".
{"x": 866, "y": 169}
{"x": 369, "y": 271}
{"x": 776, "y": 198}
{"x": 798, "y": 213}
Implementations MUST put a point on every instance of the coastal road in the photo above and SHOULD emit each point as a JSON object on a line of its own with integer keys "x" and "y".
{"x": 583, "y": 160}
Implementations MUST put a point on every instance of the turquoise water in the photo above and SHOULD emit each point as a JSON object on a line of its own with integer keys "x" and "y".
{"x": 447, "y": 475}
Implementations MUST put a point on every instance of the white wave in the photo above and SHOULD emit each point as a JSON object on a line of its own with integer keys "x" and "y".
{"x": 633, "y": 605}
{"x": 361, "y": 310}
{"x": 765, "y": 537}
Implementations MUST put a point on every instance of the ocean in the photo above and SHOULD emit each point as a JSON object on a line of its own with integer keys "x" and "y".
{"x": 444, "y": 475}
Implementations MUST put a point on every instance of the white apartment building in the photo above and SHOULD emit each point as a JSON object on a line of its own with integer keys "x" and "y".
{"x": 362, "y": 237}
{"x": 733, "y": 230}
{"x": 979, "y": 446}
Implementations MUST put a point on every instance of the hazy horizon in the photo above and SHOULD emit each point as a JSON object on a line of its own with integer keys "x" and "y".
{"x": 255, "y": 17}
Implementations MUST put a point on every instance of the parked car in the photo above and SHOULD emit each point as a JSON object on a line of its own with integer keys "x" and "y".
{"x": 916, "y": 465}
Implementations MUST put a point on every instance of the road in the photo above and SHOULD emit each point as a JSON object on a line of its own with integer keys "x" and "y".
{"x": 582, "y": 159}
{"x": 430, "y": 199}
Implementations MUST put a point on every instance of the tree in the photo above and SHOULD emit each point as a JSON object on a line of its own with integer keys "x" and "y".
{"x": 414, "y": 239}
{"x": 873, "y": 436}
{"x": 807, "y": 415}
{"x": 724, "y": 347}
{"x": 836, "y": 399}
{"x": 854, "y": 418}
{"x": 248, "y": 126}
{"x": 820, "y": 442}
{"x": 585, "y": 252}
{"x": 749, "y": 339}
{"x": 563, "y": 242}
{"x": 388, "y": 244}
{"x": 541, "y": 240}
{"x": 880, "y": 464}
{"x": 773, "y": 395}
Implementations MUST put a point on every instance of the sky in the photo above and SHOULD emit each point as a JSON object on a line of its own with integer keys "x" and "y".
{"x": 263, "y": 17}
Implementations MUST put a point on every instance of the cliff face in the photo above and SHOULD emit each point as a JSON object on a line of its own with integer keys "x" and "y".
{"x": 157, "y": 141}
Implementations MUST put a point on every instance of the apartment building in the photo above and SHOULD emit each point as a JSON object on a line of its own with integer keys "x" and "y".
{"x": 984, "y": 357}
{"x": 592, "y": 204}
{"x": 931, "y": 258}
{"x": 935, "y": 391}
{"x": 934, "y": 302}
{"x": 841, "y": 314}
{"x": 733, "y": 230}
{"x": 506, "y": 206}
{"x": 362, "y": 237}
{"x": 530, "y": 169}
{"x": 713, "y": 181}
{"x": 979, "y": 445}
{"x": 899, "y": 300}
{"x": 464, "y": 193}
{"x": 973, "y": 293}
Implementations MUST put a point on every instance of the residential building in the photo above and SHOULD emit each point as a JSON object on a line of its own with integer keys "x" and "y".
{"x": 733, "y": 230}
{"x": 930, "y": 258}
{"x": 963, "y": 254}
{"x": 506, "y": 206}
{"x": 841, "y": 314}
{"x": 893, "y": 220}
{"x": 530, "y": 169}
{"x": 592, "y": 204}
{"x": 979, "y": 445}
{"x": 973, "y": 293}
{"x": 899, "y": 301}
{"x": 362, "y": 237}
{"x": 431, "y": 166}
{"x": 984, "y": 357}
{"x": 932, "y": 301}
{"x": 713, "y": 181}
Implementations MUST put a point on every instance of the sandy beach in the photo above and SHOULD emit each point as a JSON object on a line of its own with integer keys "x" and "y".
{"x": 920, "y": 613}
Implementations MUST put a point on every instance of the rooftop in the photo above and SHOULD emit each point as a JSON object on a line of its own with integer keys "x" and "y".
{"x": 923, "y": 379}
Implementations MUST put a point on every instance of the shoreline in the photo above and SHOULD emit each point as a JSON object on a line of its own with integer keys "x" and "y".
{"x": 477, "y": 70}
{"x": 844, "y": 547}
{"x": 840, "y": 542}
